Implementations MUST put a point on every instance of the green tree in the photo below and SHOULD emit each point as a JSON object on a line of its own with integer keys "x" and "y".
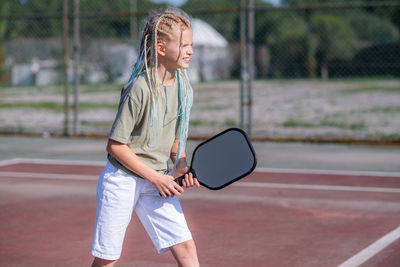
{"x": 287, "y": 41}
{"x": 224, "y": 22}
{"x": 4, "y": 10}
{"x": 307, "y": 2}
{"x": 105, "y": 24}
{"x": 45, "y": 18}
{"x": 335, "y": 39}
{"x": 372, "y": 28}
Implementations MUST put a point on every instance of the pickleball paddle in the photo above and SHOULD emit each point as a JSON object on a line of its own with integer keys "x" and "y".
{"x": 222, "y": 159}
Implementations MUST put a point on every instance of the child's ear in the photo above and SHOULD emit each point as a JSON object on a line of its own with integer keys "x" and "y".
{"x": 161, "y": 49}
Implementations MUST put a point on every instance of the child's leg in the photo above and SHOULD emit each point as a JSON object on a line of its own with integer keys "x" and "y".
{"x": 162, "y": 218}
{"x": 185, "y": 254}
{"x": 115, "y": 201}
{"x": 97, "y": 262}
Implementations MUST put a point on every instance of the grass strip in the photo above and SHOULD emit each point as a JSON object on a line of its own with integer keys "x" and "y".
{"x": 371, "y": 89}
{"x": 56, "y": 107}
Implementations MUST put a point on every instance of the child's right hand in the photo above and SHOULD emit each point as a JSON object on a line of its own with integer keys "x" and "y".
{"x": 166, "y": 185}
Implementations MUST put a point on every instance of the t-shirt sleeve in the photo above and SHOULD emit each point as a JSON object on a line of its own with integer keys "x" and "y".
{"x": 127, "y": 117}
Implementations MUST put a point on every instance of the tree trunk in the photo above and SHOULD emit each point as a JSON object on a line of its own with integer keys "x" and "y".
{"x": 324, "y": 70}
{"x": 311, "y": 67}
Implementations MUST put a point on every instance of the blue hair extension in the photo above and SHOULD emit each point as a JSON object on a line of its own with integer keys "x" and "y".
{"x": 185, "y": 100}
{"x": 137, "y": 68}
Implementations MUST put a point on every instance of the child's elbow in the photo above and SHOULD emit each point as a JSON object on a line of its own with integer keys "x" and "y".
{"x": 109, "y": 147}
{"x": 114, "y": 147}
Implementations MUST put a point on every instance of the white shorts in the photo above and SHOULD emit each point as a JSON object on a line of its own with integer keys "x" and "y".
{"x": 118, "y": 194}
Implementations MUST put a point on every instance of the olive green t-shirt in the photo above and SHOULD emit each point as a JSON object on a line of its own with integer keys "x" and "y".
{"x": 133, "y": 123}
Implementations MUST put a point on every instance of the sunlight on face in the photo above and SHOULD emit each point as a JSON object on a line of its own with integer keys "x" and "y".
{"x": 179, "y": 49}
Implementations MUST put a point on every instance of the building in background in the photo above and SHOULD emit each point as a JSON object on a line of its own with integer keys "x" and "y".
{"x": 211, "y": 59}
{"x": 34, "y": 61}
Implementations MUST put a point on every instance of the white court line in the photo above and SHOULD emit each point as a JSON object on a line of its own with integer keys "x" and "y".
{"x": 319, "y": 187}
{"x": 57, "y": 176}
{"x": 332, "y": 172}
{"x": 373, "y": 249}
{"x": 260, "y": 170}
{"x": 53, "y": 162}
{"x": 10, "y": 162}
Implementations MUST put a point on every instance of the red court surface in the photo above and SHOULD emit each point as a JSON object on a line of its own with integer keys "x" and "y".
{"x": 270, "y": 218}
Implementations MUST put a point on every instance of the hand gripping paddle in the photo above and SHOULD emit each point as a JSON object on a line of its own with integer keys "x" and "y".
{"x": 222, "y": 159}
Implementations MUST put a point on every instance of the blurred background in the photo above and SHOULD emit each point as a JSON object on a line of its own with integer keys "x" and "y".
{"x": 321, "y": 70}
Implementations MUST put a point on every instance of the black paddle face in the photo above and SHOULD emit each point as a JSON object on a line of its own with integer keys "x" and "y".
{"x": 223, "y": 159}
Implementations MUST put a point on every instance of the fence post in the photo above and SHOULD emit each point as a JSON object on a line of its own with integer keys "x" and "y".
{"x": 65, "y": 68}
{"x": 133, "y": 21}
{"x": 250, "y": 65}
{"x": 243, "y": 60}
{"x": 76, "y": 51}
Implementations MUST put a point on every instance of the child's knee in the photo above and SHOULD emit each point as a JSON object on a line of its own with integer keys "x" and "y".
{"x": 189, "y": 246}
{"x": 187, "y": 249}
{"x": 98, "y": 262}
{"x": 185, "y": 254}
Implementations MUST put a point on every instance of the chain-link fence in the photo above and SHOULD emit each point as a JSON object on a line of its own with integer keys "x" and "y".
{"x": 322, "y": 69}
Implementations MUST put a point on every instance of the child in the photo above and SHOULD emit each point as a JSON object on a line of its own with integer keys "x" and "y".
{"x": 150, "y": 127}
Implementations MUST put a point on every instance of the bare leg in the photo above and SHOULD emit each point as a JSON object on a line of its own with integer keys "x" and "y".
{"x": 185, "y": 254}
{"x": 97, "y": 262}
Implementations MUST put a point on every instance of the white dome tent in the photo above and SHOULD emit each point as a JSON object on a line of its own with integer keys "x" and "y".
{"x": 112, "y": 60}
{"x": 210, "y": 59}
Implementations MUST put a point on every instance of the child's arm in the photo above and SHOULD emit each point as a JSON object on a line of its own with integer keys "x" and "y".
{"x": 165, "y": 184}
{"x": 182, "y": 167}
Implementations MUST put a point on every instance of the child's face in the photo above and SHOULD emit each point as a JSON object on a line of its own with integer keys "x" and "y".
{"x": 178, "y": 50}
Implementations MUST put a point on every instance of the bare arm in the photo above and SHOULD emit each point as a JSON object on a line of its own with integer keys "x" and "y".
{"x": 164, "y": 183}
{"x": 174, "y": 153}
{"x": 182, "y": 167}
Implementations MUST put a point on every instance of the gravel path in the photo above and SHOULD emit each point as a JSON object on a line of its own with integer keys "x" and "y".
{"x": 293, "y": 109}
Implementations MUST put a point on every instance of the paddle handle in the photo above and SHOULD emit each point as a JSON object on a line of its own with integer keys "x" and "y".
{"x": 180, "y": 178}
